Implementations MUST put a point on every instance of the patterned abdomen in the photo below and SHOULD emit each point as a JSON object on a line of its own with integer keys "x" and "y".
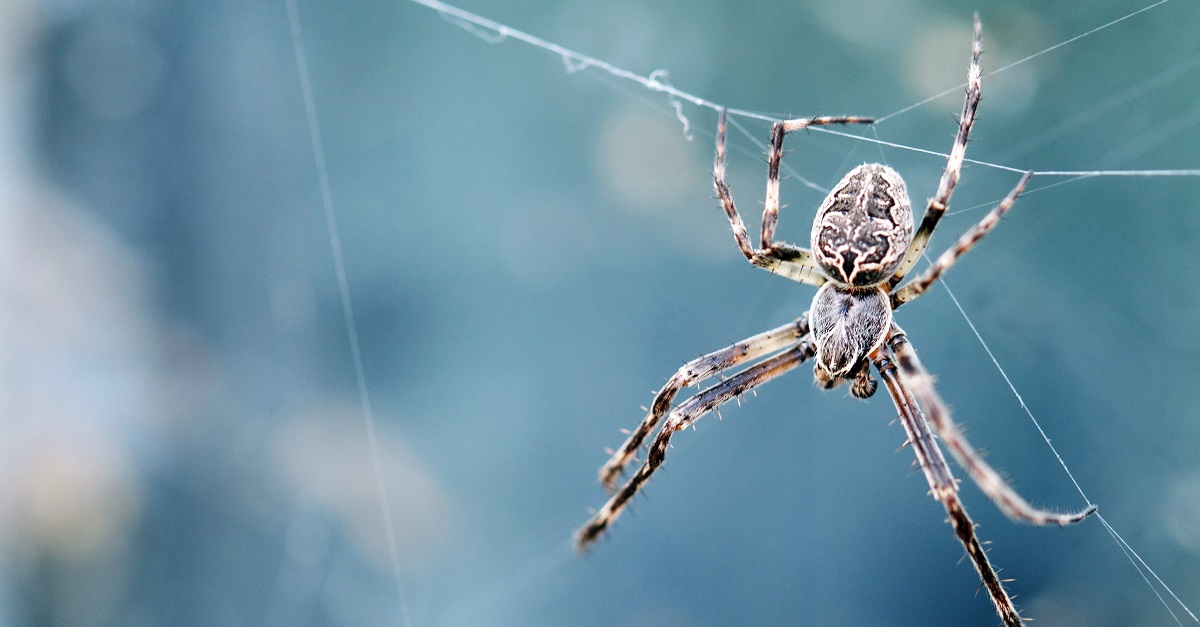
{"x": 864, "y": 226}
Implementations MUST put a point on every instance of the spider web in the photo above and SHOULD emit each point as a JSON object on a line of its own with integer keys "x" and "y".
{"x": 658, "y": 82}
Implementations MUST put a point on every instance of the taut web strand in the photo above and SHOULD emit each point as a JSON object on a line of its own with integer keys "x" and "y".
{"x": 575, "y": 61}
{"x": 339, "y": 264}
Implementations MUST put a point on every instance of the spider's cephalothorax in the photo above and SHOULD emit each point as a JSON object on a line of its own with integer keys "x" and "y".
{"x": 863, "y": 245}
{"x": 847, "y": 324}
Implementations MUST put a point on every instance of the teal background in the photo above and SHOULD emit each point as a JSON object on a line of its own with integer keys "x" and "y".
{"x": 530, "y": 252}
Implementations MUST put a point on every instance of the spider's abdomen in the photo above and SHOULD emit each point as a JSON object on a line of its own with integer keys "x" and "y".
{"x": 864, "y": 226}
{"x": 847, "y": 323}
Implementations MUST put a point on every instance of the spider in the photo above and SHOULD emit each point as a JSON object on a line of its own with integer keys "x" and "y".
{"x": 863, "y": 244}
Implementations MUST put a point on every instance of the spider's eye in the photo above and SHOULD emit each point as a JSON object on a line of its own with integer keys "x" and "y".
{"x": 864, "y": 227}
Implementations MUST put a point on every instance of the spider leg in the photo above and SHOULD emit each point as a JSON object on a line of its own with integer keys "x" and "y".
{"x": 685, "y": 414}
{"x": 942, "y": 483}
{"x": 792, "y": 262}
{"x": 775, "y": 154}
{"x": 939, "y": 202}
{"x": 919, "y": 285}
{"x": 692, "y": 372}
{"x": 988, "y": 480}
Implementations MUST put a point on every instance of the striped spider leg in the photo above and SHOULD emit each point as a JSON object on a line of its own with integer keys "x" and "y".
{"x": 779, "y": 258}
{"x": 942, "y": 484}
{"x": 693, "y": 373}
{"x": 989, "y": 481}
{"x": 685, "y": 414}
{"x": 937, "y": 205}
{"x": 918, "y": 286}
{"x": 916, "y": 383}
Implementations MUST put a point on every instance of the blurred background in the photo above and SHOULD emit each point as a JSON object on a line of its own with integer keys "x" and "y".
{"x": 531, "y": 252}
